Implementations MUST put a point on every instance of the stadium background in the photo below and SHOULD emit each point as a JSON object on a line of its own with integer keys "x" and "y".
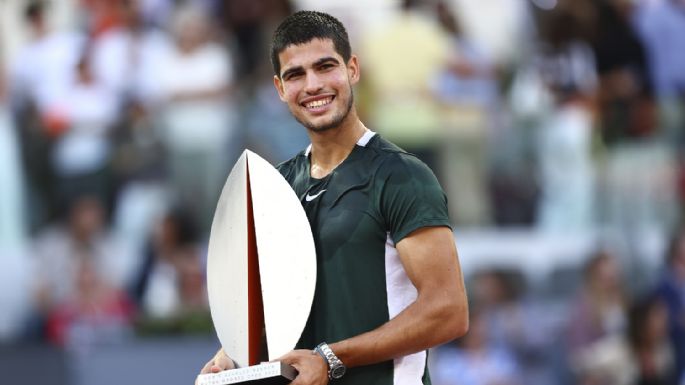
{"x": 555, "y": 126}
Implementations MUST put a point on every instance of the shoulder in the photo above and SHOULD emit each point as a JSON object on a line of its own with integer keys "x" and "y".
{"x": 290, "y": 167}
{"x": 394, "y": 162}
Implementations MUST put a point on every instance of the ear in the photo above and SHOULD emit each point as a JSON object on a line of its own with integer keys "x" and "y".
{"x": 278, "y": 83}
{"x": 353, "y": 69}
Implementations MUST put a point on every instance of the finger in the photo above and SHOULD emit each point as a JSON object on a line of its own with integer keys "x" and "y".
{"x": 298, "y": 380}
{"x": 287, "y": 358}
{"x": 223, "y": 361}
{"x": 207, "y": 368}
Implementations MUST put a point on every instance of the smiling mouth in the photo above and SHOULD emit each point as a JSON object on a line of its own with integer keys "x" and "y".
{"x": 314, "y": 104}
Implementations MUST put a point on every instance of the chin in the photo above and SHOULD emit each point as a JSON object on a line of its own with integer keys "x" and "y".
{"x": 320, "y": 126}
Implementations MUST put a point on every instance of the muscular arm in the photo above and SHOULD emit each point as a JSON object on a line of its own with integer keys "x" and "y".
{"x": 439, "y": 314}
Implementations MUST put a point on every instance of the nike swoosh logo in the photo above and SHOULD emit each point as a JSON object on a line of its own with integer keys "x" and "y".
{"x": 310, "y": 198}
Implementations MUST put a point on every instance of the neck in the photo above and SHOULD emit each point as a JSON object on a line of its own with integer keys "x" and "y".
{"x": 332, "y": 146}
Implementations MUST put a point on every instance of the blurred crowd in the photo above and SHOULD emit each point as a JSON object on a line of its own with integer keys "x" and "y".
{"x": 117, "y": 132}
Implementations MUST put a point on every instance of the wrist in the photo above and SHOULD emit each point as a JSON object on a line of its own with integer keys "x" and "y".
{"x": 336, "y": 368}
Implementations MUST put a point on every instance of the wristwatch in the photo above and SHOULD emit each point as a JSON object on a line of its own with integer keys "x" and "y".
{"x": 336, "y": 369}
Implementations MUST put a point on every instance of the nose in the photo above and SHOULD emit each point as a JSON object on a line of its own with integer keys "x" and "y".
{"x": 313, "y": 83}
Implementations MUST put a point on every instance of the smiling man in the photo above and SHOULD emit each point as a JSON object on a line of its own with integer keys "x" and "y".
{"x": 389, "y": 285}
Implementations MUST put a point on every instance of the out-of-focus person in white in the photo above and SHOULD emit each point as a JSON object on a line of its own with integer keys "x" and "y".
{"x": 198, "y": 113}
{"x": 38, "y": 75}
{"x": 127, "y": 57}
{"x": 82, "y": 147}
{"x": 43, "y": 66}
{"x": 566, "y": 65}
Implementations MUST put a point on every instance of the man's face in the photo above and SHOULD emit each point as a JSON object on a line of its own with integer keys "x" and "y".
{"x": 316, "y": 83}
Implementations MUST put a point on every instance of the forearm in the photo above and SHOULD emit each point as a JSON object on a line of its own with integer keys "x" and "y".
{"x": 425, "y": 323}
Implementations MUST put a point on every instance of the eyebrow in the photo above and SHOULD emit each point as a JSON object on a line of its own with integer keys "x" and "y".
{"x": 316, "y": 64}
{"x": 325, "y": 60}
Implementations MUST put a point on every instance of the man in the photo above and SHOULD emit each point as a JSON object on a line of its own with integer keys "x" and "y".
{"x": 389, "y": 284}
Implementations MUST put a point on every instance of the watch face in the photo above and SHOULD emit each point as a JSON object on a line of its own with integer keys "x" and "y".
{"x": 337, "y": 372}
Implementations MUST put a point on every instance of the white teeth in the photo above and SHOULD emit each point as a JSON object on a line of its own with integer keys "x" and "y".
{"x": 318, "y": 103}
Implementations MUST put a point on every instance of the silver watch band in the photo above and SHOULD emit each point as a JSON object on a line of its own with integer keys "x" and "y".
{"x": 335, "y": 366}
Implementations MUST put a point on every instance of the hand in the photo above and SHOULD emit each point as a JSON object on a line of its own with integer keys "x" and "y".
{"x": 311, "y": 367}
{"x": 221, "y": 361}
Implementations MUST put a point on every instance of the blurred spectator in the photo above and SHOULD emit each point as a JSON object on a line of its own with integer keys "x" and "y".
{"x": 660, "y": 24}
{"x": 599, "y": 309}
{"x": 401, "y": 57}
{"x": 43, "y": 67}
{"x": 466, "y": 88}
{"x": 643, "y": 201}
{"x": 514, "y": 182}
{"x": 82, "y": 146}
{"x": 498, "y": 293}
{"x": 270, "y": 129}
{"x": 671, "y": 290}
{"x": 101, "y": 16}
{"x": 96, "y": 313}
{"x": 199, "y": 114}
{"x": 506, "y": 44}
{"x": 474, "y": 360}
{"x": 626, "y": 98}
{"x": 649, "y": 342}
{"x": 128, "y": 57}
{"x": 170, "y": 287}
{"x": 250, "y": 24}
{"x": 608, "y": 361}
{"x": 59, "y": 252}
{"x": 598, "y": 316}
{"x": 245, "y": 19}
{"x": 566, "y": 67}
{"x": 641, "y": 355}
{"x": 468, "y": 75}
{"x": 517, "y": 325}
{"x": 39, "y": 74}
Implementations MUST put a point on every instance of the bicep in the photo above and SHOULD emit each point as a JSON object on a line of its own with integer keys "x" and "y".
{"x": 429, "y": 257}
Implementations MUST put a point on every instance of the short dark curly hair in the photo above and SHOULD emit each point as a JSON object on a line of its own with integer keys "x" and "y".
{"x": 304, "y": 26}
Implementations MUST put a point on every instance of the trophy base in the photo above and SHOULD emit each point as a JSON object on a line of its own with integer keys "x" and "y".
{"x": 269, "y": 373}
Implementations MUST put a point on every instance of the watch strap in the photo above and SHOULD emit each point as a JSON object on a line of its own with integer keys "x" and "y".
{"x": 335, "y": 366}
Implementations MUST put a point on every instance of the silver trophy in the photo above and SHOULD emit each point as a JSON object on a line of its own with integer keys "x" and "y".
{"x": 261, "y": 273}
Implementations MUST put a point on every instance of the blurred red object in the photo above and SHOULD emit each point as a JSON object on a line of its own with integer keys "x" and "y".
{"x": 55, "y": 122}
